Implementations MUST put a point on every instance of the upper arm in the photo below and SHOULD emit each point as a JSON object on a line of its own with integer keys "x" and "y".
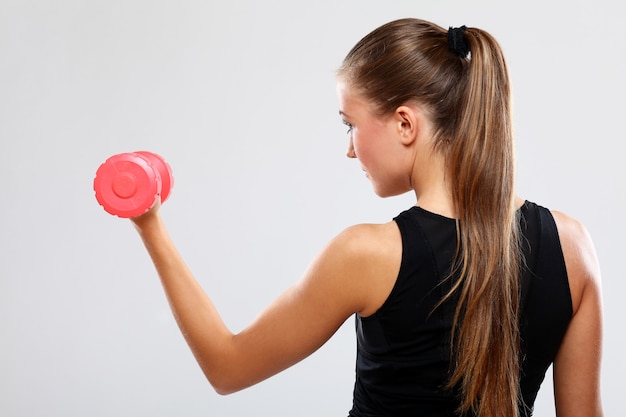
{"x": 577, "y": 364}
{"x": 343, "y": 280}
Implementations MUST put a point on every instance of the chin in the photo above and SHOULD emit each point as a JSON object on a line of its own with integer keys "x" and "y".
{"x": 385, "y": 193}
{"x": 389, "y": 188}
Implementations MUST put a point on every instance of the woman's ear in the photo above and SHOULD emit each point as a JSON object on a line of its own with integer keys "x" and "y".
{"x": 409, "y": 123}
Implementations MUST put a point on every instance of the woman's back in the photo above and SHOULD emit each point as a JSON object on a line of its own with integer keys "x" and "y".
{"x": 404, "y": 352}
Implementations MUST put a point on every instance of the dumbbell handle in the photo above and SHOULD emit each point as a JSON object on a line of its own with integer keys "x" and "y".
{"x": 129, "y": 184}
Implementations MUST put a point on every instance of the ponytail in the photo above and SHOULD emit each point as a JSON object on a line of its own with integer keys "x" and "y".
{"x": 468, "y": 96}
{"x": 486, "y": 338}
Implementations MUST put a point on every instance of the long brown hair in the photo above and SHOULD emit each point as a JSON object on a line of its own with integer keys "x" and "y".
{"x": 468, "y": 99}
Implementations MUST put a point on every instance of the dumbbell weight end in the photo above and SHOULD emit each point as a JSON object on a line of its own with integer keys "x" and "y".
{"x": 129, "y": 184}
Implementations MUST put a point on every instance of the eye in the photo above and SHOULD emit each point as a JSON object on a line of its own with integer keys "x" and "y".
{"x": 350, "y": 127}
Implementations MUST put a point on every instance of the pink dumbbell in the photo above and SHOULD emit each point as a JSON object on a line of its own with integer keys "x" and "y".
{"x": 129, "y": 184}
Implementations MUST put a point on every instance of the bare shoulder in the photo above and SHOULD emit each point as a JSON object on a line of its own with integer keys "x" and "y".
{"x": 370, "y": 255}
{"x": 578, "y": 361}
{"x": 580, "y": 256}
{"x": 370, "y": 239}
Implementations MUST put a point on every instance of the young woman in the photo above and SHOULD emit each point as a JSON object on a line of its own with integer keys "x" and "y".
{"x": 461, "y": 302}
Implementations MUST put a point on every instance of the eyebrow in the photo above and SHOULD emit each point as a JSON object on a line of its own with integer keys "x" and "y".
{"x": 342, "y": 114}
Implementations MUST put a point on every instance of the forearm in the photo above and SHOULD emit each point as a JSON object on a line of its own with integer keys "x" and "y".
{"x": 197, "y": 318}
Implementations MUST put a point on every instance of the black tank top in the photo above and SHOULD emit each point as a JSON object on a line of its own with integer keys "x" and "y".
{"x": 403, "y": 350}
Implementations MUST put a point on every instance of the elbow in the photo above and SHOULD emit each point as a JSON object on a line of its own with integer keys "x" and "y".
{"x": 225, "y": 385}
{"x": 228, "y": 372}
{"x": 223, "y": 389}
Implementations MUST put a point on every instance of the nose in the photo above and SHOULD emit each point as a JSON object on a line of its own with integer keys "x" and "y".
{"x": 350, "y": 153}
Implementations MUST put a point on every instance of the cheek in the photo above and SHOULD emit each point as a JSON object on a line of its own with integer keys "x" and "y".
{"x": 362, "y": 149}
{"x": 365, "y": 145}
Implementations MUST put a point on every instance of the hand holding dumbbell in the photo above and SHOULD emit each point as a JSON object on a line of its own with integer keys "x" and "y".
{"x": 129, "y": 184}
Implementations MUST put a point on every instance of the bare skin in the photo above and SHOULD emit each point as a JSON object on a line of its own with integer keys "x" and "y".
{"x": 577, "y": 365}
{"x": 357, "y": 270}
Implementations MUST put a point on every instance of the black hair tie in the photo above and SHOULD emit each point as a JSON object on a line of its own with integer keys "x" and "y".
{"x": 456, "y": 41}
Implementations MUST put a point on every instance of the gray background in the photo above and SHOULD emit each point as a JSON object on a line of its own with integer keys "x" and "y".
{"x": 240, "y": 99}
